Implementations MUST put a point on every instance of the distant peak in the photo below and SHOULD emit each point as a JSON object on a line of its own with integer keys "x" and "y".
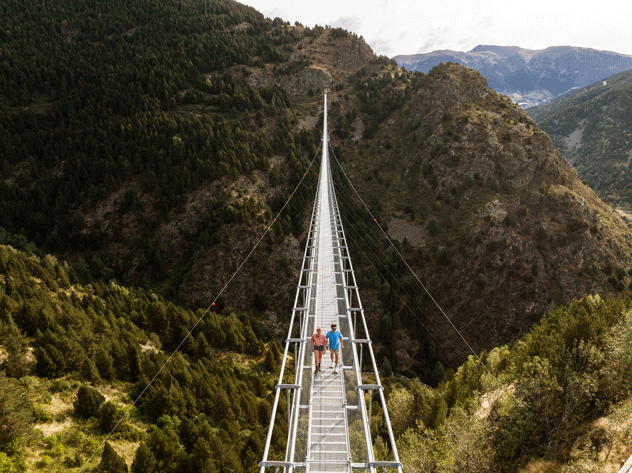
{"x": 482, "y": 47}
{"x": 495, "y": 49}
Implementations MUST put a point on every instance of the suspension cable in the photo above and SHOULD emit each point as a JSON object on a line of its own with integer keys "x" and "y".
{"x": 406, "y": 263}
{"x": 212, "y": 304}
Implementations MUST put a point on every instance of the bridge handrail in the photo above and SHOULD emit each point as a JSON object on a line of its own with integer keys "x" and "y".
{"x": 303, "y": 317}
{"x": 301, "y": 313}
{"x": 353, "y": 284}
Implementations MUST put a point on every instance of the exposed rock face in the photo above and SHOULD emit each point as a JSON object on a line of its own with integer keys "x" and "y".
{"x": 343, "y": 56}
{"x": 520, "y": 233}
{"x": 331, "y": 60}
{"x": 312, "y": 77}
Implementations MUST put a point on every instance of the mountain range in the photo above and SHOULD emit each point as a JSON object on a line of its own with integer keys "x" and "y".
{"x": 529, "y": 77}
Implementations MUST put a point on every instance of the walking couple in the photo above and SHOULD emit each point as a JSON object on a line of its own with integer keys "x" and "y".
{"x": 332, "y": 342}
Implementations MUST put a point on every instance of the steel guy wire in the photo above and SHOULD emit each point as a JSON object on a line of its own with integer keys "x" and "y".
{"x": 201, "y": 317}
{"x": 408, "y": 266}
{"x": 361, "y": 239}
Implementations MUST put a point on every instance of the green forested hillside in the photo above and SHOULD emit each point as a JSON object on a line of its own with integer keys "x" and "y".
{"x": 163, "y": 136}
{"x": 63, "y": 342}
{"x": 556, "y": 401}
{"x": 592, "y": 127}
{"x": 131, "y": 104}
{"x": 75, "y": 357}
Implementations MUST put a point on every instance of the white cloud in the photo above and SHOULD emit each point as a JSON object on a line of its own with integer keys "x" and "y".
{"x": 350, "y": 23}
{"x": 394, "y": 27}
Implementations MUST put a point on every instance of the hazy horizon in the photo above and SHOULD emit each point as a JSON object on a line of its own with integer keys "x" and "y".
{"x": 398, "y": 27}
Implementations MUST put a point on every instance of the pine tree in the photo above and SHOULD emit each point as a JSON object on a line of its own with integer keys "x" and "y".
{"x": 16, "y": 344}
{"x": 89, "y": 371}
{"x": 144, "y": 460}
{"x": 112, "y": 462}
{"x": 268, "y": 363}
{"x": 109, "y": 416}
{"x": 15, "y": 412}
{"x": 386, "y": 368}
{"x": 105, "y": 364}
{"x": 45, "y": 364}
{"x": 87, "y": 402}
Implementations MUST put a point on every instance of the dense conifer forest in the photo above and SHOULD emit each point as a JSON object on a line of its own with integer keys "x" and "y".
{"x": 207, "y": 409}
{"x": 95, "y": 96}
{"x": 94, "y": 103}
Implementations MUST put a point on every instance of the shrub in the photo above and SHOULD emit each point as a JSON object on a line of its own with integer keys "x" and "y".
{"x": 54, "y": 447}
{"x": 433, "y": 226}
{"x": 42, "y": 415}
{"x": 43, "y": 462}
{"x": 511, "y": 219}
{"x": 260, "y": 303}
{"x": 73, "y": 461}
{"x": 552, "y": 192}
{"x": 481, "y": 279}
{"x": 621, "y": 272}
{"x": 442, "y": 255}
{"x": 386, "y": 368}
{"x": 576, "y": 224}
{"x": 616, "y": 283}
{"x": 426, "y": 168}
{"x": 87, "y": 402}
{"x": 6, "y": 464}
{"x": 109, "y": 415}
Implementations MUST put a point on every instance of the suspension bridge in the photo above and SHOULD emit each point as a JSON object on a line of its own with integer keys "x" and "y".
{"x": 328, "y": 423}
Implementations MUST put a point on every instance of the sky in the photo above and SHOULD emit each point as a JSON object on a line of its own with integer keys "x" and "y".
{"x": 402, "y": 27}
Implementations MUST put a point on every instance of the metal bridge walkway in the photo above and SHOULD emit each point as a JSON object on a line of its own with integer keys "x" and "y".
{"x": 328, "y": 415}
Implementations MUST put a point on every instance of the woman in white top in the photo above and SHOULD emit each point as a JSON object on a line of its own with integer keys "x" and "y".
{"x": 318, "y": 347}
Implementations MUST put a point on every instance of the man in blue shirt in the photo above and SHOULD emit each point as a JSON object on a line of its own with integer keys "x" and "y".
{"x": 334, "y": 344}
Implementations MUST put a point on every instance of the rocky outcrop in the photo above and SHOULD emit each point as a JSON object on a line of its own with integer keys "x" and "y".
{"x": 519, "y": 233}
{"x": 331, "y": 59}
{"x": 299, "y": 83}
